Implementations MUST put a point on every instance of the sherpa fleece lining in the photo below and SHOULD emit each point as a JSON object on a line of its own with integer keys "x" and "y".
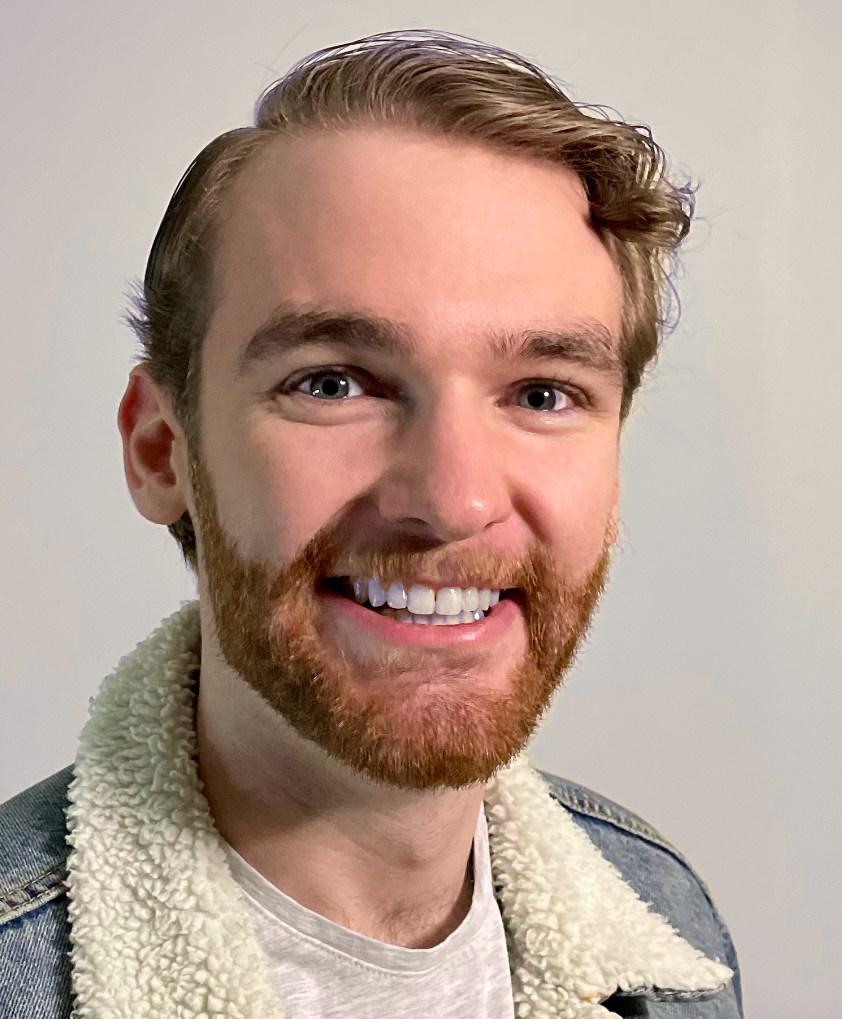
{"x": 158, "y": 928}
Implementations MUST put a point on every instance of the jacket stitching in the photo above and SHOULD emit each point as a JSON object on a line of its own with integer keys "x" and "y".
{"x": 668, "y": 996}
{"x": 47, "y": 886}
{"x": 579, "y": 801}
{"x": 582, "y": 805}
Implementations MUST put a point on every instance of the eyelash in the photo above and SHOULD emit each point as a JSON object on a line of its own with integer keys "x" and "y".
{"x": 291, "y": 386}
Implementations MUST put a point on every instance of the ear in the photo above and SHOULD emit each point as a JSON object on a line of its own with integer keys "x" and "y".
{"x": 154, "y": 450}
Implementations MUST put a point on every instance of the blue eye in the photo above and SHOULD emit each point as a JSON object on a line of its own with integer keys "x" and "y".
{"x": 330, "y": 385}
{"x": 542, "y": 397}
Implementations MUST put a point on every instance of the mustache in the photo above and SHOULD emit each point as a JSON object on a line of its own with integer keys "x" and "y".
{"x": 326, "y": 555}
{"x": 333, "y": 551}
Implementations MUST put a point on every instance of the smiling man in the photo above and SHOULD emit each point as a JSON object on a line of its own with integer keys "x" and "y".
{"x": 390, "y": 337}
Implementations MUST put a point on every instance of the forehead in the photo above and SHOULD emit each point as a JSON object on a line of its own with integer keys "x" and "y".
{"x": 447, "y": 237}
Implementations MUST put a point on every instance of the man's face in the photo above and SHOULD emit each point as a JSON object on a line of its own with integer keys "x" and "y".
{"x": 411, "y": 373}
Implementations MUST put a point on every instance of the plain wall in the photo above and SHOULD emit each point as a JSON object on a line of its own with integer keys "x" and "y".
{"x": 707, "y": 698}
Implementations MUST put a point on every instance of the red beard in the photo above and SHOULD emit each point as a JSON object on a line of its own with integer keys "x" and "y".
{"x": 443, "y": 733}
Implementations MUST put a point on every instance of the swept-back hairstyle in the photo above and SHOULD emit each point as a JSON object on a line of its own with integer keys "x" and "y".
{"x": 446, "y": 86}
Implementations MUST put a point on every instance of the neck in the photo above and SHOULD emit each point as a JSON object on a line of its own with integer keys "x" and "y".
{"x": 389, "y": 863}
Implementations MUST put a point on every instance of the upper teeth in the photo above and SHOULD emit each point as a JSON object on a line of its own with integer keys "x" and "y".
{"x": 420, "y": 600}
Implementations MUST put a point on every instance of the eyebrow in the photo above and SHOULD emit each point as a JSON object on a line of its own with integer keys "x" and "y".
{"x": 288, "y": 328}
{"x": 589, "y": 344}
{"x": 586, "y": 343}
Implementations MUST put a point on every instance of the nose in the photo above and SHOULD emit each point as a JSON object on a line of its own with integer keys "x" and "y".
{"x": 446, "y": 477}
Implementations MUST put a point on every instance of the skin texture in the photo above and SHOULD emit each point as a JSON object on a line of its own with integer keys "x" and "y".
{"x": 434, "y": 463}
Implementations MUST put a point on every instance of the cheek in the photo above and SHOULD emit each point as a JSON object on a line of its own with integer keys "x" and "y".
{"x": 306, "y": 477}
{"x": 578, "y": 509}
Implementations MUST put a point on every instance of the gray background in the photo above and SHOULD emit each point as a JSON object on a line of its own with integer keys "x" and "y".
{"x": 708, "y": 696}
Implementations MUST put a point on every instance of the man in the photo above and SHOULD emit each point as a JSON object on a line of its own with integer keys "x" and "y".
{"x": 390, "y": 337}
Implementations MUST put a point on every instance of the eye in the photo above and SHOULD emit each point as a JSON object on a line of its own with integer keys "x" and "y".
{"x": 544, "y": 397}
{"x": 330, "y": 384}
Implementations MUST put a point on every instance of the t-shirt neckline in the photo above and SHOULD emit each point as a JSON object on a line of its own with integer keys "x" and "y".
{"x": 306, "y": 924}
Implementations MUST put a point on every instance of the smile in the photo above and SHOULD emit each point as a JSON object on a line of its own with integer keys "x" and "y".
{"x": 416, "y": 603}
{"x": 357, "y": 616}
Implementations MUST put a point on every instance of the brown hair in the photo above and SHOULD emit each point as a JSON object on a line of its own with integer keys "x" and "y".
{"x": 443, "y": 85}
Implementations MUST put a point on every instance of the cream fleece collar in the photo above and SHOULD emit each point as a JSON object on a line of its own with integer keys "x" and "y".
{"x": 159, "y": 932}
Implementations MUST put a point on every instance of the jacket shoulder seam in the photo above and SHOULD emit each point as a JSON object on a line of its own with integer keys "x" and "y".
{"x": 581, "y": 802}
{"x": 49, "y": 885}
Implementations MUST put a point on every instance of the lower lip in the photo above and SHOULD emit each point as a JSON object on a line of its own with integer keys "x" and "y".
{"x": 487, "y": 629}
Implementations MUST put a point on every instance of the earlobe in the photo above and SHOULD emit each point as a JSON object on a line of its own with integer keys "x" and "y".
{"x": 154, "y": 450}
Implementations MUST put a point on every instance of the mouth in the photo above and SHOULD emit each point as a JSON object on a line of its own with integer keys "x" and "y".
{"x": 418, "y": 604}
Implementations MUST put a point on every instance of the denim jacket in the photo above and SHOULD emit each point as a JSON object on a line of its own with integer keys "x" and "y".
{"x": 40, "y": 878}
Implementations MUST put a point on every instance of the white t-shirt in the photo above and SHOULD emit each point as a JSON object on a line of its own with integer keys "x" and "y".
{"x": 325, "y": 971}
